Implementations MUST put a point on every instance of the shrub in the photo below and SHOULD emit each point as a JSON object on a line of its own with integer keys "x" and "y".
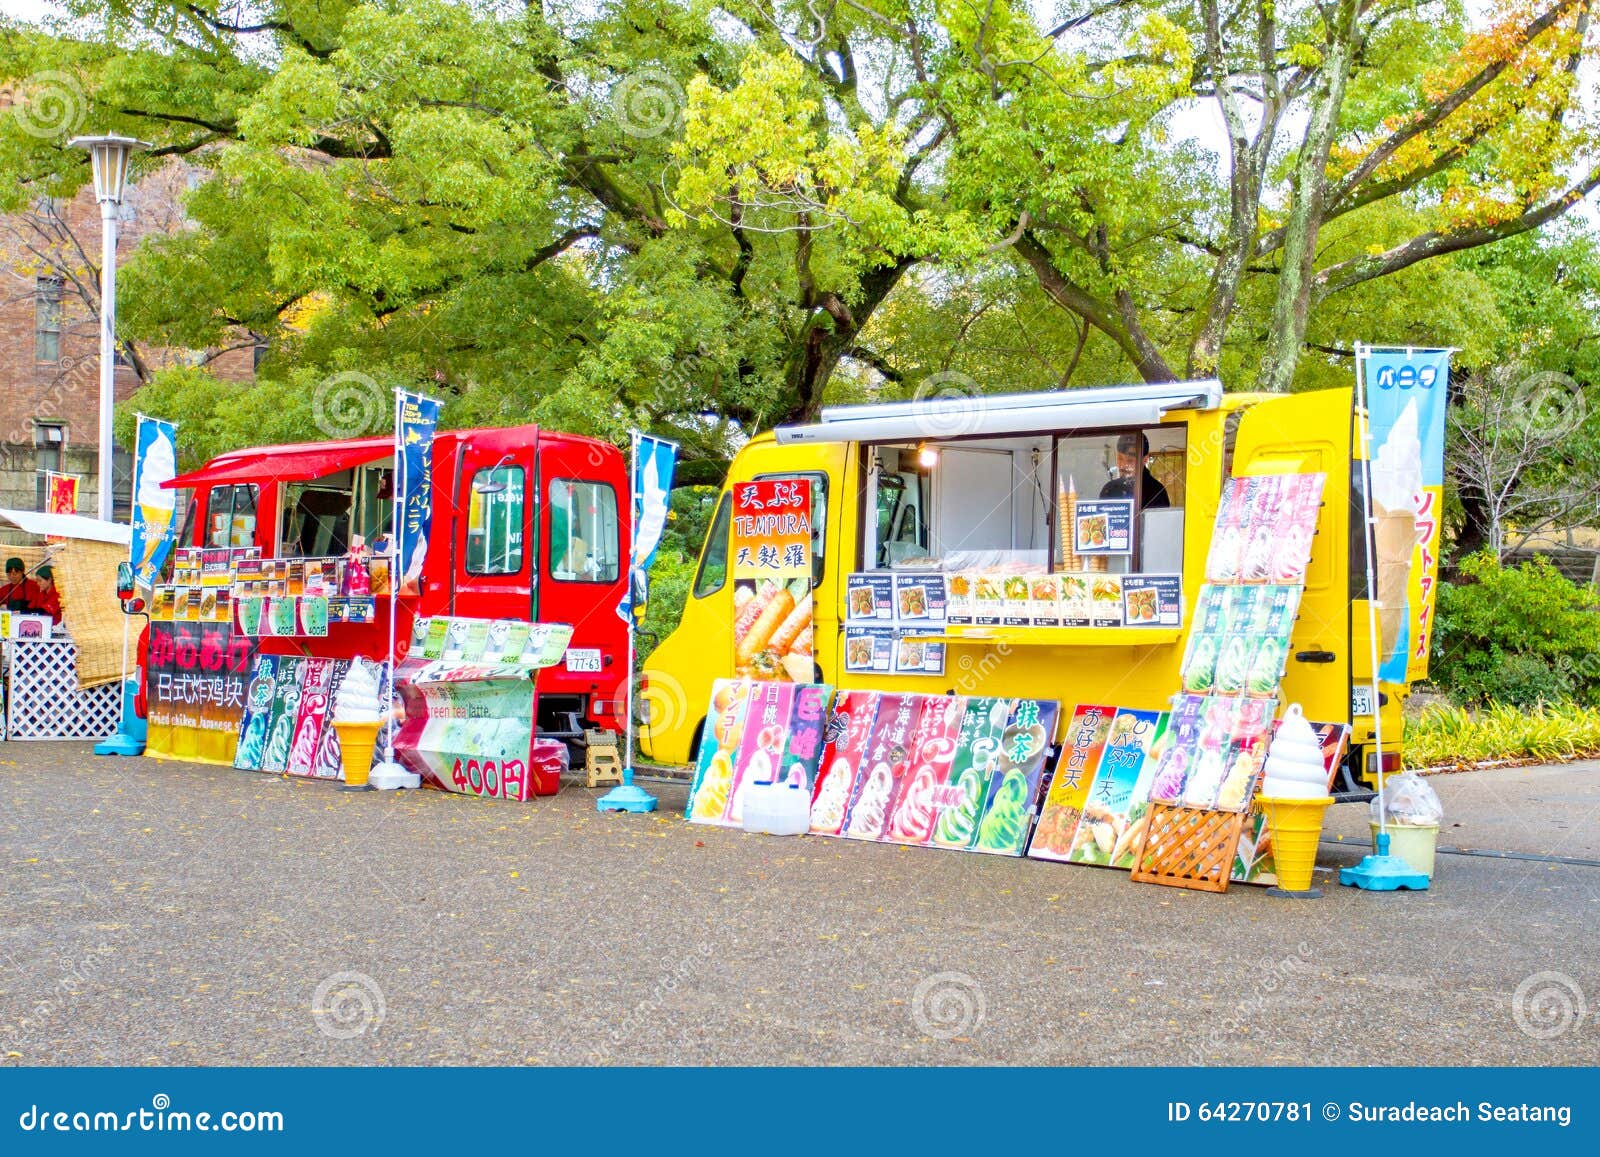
{"x": 1445, "y": 736}
{"x": 1520, "y": 635}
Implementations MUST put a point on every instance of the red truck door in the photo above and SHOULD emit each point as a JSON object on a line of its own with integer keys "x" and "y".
{"x": 584, "y": 521}
{"x": 492, "y": 505}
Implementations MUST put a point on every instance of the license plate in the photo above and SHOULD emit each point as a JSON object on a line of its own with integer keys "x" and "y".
{"x": 584, "y": 659}
{"x": 1361, "y": 700}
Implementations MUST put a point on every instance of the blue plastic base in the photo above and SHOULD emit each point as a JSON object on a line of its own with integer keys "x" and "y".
{"x": 626, "y": 798}
{"x": 130, "y": 737}
{"x": 1383, "y": 873}
{"x": 119, "y": 744}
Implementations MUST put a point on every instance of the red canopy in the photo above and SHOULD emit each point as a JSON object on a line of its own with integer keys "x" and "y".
{"x": 297, "y": 462}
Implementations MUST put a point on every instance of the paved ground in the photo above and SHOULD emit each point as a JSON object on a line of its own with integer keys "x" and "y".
{"x": 171, "y": 914}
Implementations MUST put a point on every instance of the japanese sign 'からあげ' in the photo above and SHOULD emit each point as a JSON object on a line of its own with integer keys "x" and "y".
{"x": 771, "y": 550}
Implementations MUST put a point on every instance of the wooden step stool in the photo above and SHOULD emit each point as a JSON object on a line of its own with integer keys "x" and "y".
{"x": 602, "y": 761}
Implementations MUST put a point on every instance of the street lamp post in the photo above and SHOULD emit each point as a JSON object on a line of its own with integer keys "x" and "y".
{"x": 108, "y": 155}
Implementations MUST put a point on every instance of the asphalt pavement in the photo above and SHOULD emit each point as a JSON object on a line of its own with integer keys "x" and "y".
{"x": 164, "y": 913}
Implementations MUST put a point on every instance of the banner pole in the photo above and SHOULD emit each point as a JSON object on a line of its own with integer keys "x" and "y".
{"x": 1370, "y": 539}
{"x": 397, "y": 492}
{"x": 633, "y": 537}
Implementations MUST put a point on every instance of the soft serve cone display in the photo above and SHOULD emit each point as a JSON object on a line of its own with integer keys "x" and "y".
{"x": 156, "y": 503}
{"x": 1294, "y": 796}
{"x": 356, "y": 719}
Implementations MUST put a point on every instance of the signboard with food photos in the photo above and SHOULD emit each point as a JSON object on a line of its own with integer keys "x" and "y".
{"x": 771, "y": 549}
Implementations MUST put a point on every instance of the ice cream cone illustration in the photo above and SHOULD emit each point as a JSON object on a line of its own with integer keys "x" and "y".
{"x": 1395, "y": 534}
{"x": 155, "y": 503}
{"x": 1396, "y": 486}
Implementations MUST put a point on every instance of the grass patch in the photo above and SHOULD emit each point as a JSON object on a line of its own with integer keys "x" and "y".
{"x": 1444, "y": 736}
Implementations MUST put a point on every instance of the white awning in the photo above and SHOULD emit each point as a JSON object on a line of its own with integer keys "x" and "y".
{"x": 68, "y": 526}
{"x": 968, "y": 416}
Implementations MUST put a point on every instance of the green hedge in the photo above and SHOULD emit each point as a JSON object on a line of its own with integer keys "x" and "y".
{"x": 1521, "y": 636}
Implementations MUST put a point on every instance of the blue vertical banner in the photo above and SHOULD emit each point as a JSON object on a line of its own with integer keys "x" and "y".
{"x": 418, "y": 417}
{"x": 155, "y": 461}
{"x": 654, "y": 460}
{"x": 1406, "y": 390}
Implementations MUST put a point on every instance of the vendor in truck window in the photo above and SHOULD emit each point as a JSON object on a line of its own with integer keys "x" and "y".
{"x": 1133, "y": 466}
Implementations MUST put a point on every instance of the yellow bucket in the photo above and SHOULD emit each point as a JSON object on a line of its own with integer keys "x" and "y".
{"x": 1413, "y": 843}
{"x": 1296, "y": 826}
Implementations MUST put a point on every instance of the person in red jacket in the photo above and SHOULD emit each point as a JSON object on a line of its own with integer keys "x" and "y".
{"x": 46, "y": 599}
{"x": 18, "y": 592}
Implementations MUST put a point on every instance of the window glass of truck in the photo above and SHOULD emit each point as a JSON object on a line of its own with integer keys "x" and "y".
{"x": 1003, "y": 503}
{"x": 231, "y": 516}
{"x": 585, "y": 545}
{"x": 496, "y": 513}
{"x": 713, "y": 572}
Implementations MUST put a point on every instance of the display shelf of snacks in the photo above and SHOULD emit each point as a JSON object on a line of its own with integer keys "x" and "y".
{"x": 267, "y": 596}
{"x": 899, "y": 622}
{"x": 1052, "y": 636}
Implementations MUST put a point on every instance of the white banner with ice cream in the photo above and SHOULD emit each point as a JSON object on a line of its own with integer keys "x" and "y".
{"x": 1406, "y": 392}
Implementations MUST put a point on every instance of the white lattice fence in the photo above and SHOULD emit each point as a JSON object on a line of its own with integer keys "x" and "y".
{"x": 44, "y": 701}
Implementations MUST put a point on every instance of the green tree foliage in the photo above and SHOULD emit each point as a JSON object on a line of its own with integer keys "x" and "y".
{"x": 690, "y": 217}
{"x": 1518, "y": 635}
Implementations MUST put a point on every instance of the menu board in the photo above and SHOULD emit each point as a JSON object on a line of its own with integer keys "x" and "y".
{"x": 1103, "y": 526}
{"x": 869, "y": 598}
{"x": 1116, "y": 808}
{"x": 870, "y": 649}
{"x": 887, "y": 619}
{"x": 1152, "y": 600}
{"x": 919, "y": 598}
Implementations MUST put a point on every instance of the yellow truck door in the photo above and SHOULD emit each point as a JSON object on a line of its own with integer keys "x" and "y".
{"x": 679, "y": 673}
{"x": 1310, "y": 433}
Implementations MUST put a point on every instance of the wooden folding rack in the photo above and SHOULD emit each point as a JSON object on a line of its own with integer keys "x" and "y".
{"x": 1187, "y": 847}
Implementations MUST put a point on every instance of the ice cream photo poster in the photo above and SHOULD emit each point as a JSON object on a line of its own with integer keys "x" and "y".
{"x": 1405, "y": 390}
{"x": 724, "y": 730}
{"x": 1014, "y": 791}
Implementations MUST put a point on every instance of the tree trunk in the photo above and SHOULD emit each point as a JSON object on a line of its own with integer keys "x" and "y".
{"x": 1306, "y": 206}
{"x": 827, "y": 337}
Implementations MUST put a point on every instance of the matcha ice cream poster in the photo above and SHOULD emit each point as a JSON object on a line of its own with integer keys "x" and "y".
{"x": 1406, "y": 392}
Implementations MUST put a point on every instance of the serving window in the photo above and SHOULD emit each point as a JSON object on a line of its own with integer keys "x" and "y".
{"x": 1071, "y": 529}
{"x": 1010, "y": 504}
{"x": 320, "y": 515}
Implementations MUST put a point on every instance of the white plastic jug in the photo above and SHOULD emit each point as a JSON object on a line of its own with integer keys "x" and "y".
{"x": 778, "y": 809}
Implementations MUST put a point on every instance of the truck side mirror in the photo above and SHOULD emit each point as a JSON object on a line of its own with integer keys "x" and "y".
{"x": 639, "y": 592}
{"x": 127, "y": 591}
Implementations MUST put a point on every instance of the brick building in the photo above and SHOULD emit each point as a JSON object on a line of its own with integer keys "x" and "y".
{"x": 50, "y": 338}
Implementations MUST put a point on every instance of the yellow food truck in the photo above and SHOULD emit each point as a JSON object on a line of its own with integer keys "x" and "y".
{"x": 986, "y": 485}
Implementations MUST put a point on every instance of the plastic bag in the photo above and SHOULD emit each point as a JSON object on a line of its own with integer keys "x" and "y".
{"x": 1407, "y": 799}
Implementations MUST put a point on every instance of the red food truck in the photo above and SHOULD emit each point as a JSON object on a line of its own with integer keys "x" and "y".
{"x": 527, "y": 524}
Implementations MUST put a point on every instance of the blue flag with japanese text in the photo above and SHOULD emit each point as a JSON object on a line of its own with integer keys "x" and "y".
{"x": 419, "y": 415}
{"x": 653, "y": 463}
